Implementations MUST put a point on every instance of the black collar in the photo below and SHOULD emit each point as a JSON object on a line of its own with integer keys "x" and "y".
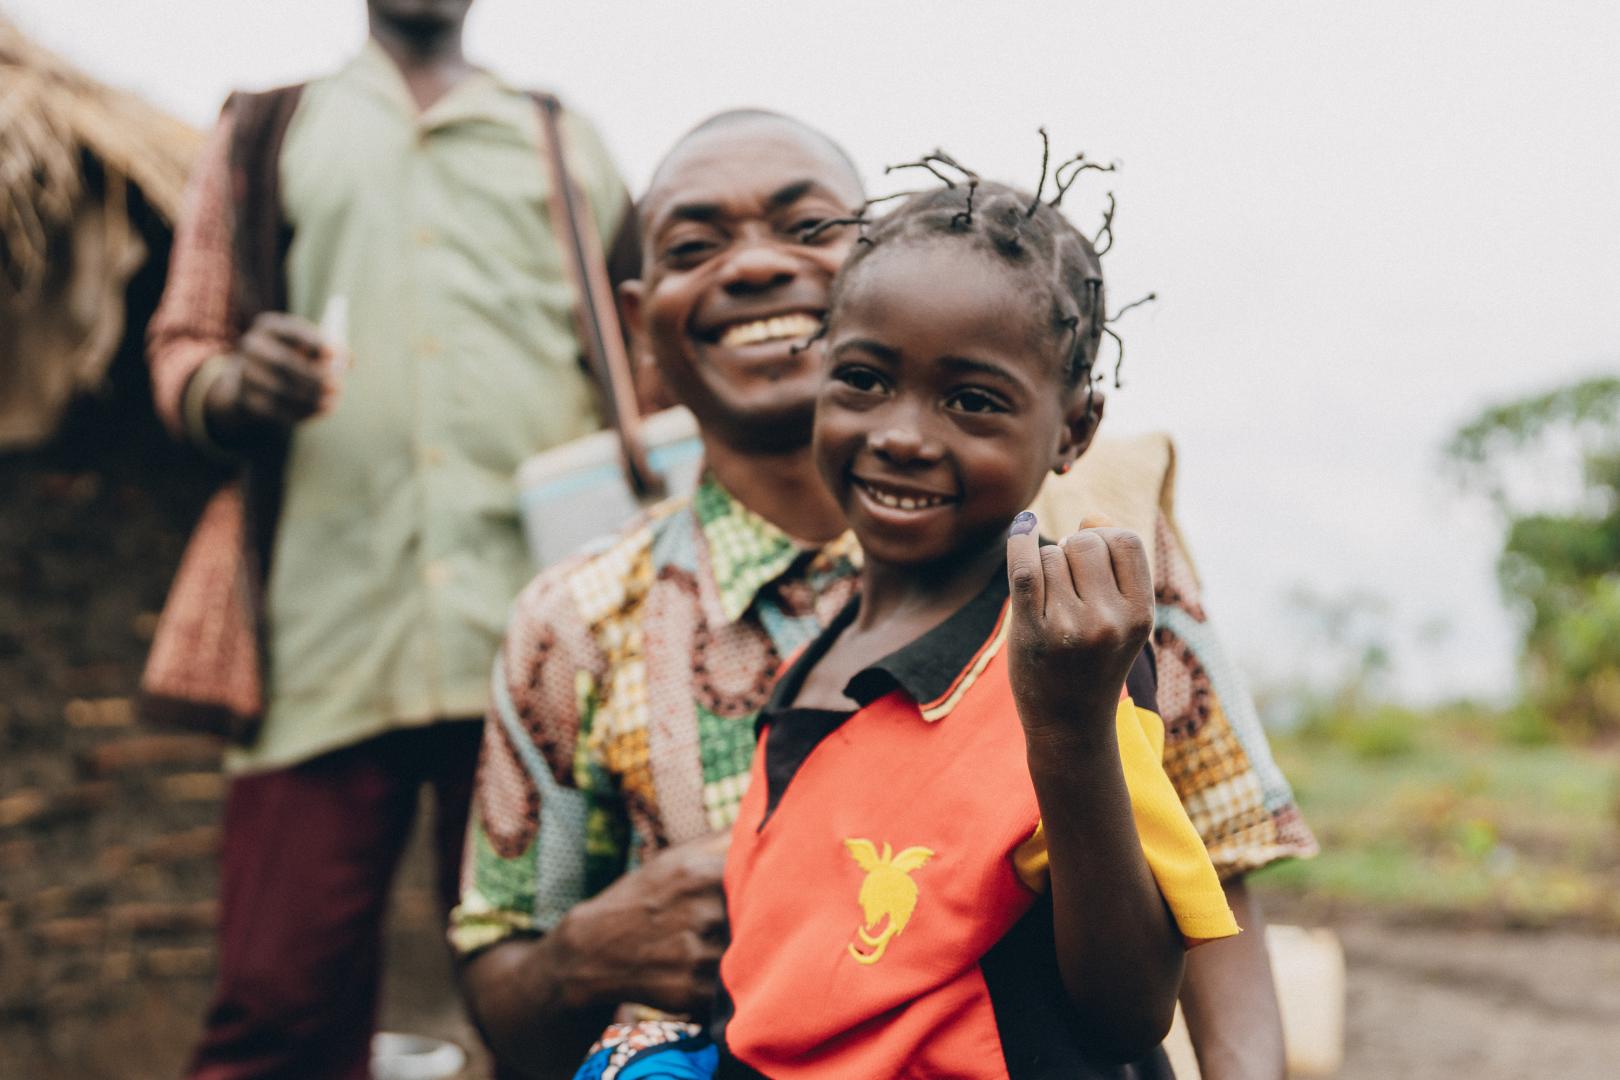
{"x": 926, "y": 669}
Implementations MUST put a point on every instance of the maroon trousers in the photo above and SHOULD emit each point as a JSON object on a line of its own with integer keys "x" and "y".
{"x": 308, "y": 856}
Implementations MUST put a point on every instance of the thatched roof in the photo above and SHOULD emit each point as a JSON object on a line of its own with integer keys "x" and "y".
{"x": 50, "y": 115}
{"x": 71, "y": 152}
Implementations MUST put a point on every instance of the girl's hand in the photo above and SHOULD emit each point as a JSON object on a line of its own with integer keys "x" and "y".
{"x": 1081, "y": 612}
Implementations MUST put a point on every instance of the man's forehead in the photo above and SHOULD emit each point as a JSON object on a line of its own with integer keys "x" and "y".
{"x": 748, "y": 165}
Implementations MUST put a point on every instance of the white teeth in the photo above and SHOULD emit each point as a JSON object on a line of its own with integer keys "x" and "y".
{"x": 776, "y": 328}
{"x": 903, "y": 502}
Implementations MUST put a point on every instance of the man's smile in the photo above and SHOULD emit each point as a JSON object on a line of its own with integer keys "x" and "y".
{"x": 797, "y": 325}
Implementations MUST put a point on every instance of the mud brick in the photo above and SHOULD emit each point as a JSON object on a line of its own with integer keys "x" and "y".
{"x": 151, "y": 751}
{"x": 22, "y": 807}
{"x": 109, "y": 677}
{"x": 193, "y": 787}
{"x": 16, "y": 854}
{"x": 16, "y": 968}
{"x": 179, "y": 962}
{"x": 143, "y": 880}
{"x": 71, "y": 996}
{"x": 7, "y": 913}
{"x": 117, "y": 967}
{"x": 70, "y": 933}
{"x": 117, "y": 712}
{"x": 199, "y": 843}
{"x": 114, "y": 859}
{"x": 34, "y": 806}
{"x": 51, "y": 902}
{"x": 158, "y": 917}
{"x": 82, "y": 798}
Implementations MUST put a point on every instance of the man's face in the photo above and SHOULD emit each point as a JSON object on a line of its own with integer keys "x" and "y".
{"x": 732, "y": 284}
{"x": 421, "y": 16}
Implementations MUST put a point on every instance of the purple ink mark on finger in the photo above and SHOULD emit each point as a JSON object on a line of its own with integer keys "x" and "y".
{"x": 1023, "y": 523}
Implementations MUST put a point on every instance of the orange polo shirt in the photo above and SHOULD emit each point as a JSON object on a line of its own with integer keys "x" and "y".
{"x": 886, "y": 884}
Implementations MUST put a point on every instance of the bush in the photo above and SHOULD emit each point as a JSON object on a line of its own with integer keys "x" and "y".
{"x": 1371, "y": 733}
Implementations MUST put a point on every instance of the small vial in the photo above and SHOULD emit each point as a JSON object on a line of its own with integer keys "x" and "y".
{"x": 336, "y": 358}
{"x": 335, "y": 332}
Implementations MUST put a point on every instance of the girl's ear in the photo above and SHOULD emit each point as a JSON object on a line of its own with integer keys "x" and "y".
{"x": 1080, "y": 423}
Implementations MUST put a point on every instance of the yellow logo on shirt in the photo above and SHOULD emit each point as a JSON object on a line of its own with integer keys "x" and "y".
{"x": 888, "y": 893}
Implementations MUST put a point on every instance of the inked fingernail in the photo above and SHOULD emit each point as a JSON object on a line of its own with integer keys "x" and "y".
{"x": 1023, "y": 523}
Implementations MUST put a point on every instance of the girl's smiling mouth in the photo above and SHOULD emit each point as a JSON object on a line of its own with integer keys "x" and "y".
{"x": 895, "y": 497}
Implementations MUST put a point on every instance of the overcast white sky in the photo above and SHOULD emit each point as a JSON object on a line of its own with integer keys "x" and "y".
{"x": 1365, "y": 220}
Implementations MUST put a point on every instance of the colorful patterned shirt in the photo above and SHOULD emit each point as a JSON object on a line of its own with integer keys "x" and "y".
{"x": 624, "y": 700}
{"x": 625, "y": 696}
{"x": 1214, "y": 747}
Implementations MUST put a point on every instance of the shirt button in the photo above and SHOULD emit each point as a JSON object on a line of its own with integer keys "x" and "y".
{"x": 436, "y": 574}
{"x": 426, "y": 237}
{"x": 430, "y": 346}
{"x": 433, "y": 455}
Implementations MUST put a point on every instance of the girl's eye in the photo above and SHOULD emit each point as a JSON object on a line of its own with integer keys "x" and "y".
{"x": 975, "y": 401}
{"x": 862, "y": 379}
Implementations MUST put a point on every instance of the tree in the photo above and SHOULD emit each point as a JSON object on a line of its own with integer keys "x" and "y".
{"x": 1551, "y": 465}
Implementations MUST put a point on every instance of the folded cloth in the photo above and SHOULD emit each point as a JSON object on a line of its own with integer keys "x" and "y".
{"x": 651, "y": 1050}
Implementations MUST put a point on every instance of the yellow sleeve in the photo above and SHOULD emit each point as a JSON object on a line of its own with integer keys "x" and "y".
{"x": 1174, "y": 851}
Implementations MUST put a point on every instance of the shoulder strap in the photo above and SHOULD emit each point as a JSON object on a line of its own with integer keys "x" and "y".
{"x": 259, "y": 229}
{"x": 260, "y": 238}
{"x": 594, "y": 312}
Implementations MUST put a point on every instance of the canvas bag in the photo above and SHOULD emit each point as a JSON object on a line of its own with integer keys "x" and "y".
{"x": 206, "y": 668}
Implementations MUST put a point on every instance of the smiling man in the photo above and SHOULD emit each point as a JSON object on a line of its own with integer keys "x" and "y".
{"x": 625, "y": 695}
{"x": 624, "y": 698}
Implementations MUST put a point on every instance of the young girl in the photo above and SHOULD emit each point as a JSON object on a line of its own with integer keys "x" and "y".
{"x": 964, "y": 858}
{"x": 959, "y": 854}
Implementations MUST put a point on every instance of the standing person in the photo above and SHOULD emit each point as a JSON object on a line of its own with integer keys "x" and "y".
{"x": 407, "y": 188}
{"x": 622, "y": 723}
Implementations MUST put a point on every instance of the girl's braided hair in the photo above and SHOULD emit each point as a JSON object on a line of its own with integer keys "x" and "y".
{"x": 1028, "y": 233}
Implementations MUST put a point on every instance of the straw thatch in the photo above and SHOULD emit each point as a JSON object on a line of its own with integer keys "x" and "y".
{"x": 75, "y": 156}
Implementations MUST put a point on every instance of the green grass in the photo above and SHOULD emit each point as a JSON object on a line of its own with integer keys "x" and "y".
{"x": 1444, "y": 813}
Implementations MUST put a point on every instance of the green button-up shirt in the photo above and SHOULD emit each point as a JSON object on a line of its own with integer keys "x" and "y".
{"x": 399, "y": 550}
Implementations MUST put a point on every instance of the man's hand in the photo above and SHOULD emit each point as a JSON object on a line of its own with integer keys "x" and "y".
{"x": 655, "y": 935}
{"x": 273, "y": 380}
{"x": 652, "y": 937}
{"x": 1081, "y": 612}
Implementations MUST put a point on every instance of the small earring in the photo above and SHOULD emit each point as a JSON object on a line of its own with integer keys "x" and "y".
{"x": 1063, "y": 469}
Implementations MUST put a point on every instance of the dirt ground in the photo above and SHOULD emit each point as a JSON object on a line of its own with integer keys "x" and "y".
{"x": 1424, "y": 1003}
{"x": 1486, "y": 1005}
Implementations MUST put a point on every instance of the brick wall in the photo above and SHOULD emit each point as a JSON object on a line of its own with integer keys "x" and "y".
{"x": 108, "y": 831}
